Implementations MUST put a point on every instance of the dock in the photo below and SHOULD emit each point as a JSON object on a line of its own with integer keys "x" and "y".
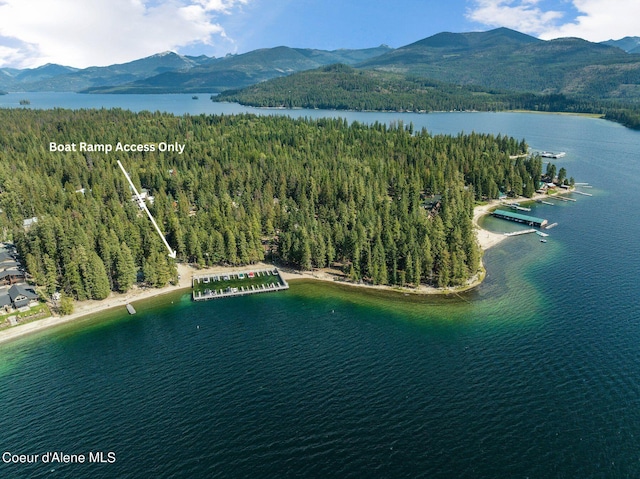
{"x": 519, "y": 208}
{"x": 551, "y": 154}
{"x": 562, "y": 198}
{"x": 131, "y": 309}
{"x": 518, "y": 233}
{"x": 241, "y": 283}
{"x": 520, "y": 218}
{"x": 582, "y": 193}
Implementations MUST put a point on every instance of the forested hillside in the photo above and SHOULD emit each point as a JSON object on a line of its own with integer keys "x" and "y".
{"x": 303, "y": 192}
{"x": 342, "y": 87}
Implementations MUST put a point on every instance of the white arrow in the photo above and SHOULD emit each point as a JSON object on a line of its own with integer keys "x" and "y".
{"x": 172, "y": 253}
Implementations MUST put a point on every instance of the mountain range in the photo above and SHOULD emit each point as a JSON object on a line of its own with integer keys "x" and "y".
{"x": 628, "y": 44}
{"x": 169, "y": 72}
{"x": 501, "y": 59}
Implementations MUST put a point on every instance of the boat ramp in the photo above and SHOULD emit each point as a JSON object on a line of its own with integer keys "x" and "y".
{"x": 241, "y": 283}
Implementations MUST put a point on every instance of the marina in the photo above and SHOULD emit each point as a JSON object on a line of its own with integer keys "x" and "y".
{"x": 224, "y": 285}
{"x": 520, "y": 218}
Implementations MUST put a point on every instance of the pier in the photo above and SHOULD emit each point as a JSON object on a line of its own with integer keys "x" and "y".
{"x": 241, "y": 283}
{"x": 519, "y": 208}
{"x": 518, "y": 233}
{"x": 131, "y": 309}
{"x": 562, "y": 198}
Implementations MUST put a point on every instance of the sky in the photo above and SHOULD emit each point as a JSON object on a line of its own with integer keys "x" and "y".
{"x": 82, "y": 33}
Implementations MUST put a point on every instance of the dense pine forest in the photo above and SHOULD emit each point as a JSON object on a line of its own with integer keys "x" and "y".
{"x": 342, "y": 87}
{"x": 387, "y": 204}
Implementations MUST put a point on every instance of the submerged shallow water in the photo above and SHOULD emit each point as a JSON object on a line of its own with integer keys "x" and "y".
{"x": 532, "y": 374}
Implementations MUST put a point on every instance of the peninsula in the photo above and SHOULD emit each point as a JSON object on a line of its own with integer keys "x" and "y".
{"x": 376, "y": 205}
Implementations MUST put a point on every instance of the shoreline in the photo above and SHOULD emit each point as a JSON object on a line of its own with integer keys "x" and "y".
{"x": 486, "y": 240}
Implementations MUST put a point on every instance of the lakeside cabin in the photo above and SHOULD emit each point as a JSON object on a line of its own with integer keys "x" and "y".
{"x": 520, "y": 218}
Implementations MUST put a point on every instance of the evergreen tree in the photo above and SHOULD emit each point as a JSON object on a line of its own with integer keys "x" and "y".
{"x": 125, "y": 269}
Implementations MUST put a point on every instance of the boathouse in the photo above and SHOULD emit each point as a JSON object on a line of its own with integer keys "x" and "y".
{"x": 520, "y": 218}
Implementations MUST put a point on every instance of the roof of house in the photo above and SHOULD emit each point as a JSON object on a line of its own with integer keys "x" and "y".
{"x": 11, "y": 272}
{"x": 5, "y": 299}
{"x": 519, "y": 216}
{"x": 30, "y": 221}
{"x": 6, "y": 256}
{"x": 20, "y": 290}
{"x": 7, "y": 264}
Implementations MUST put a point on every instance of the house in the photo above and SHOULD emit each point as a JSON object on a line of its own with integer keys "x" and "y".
{"x": 5, "y": 300}
{"x": 6, "y": 256}
{"x": 144, "y": 196}
{"x": 29, "y": 222}
{"x": 9, "y": 264}
{"x": 22, "y": 295}
{"x": 11, "y": 276}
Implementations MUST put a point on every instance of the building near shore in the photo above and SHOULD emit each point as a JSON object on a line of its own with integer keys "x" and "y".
{"x": 520, "y": 218}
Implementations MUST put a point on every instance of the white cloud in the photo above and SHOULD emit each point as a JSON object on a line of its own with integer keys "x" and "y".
{"x": 596, "y": 21}
{"x": 524, "y": 15}
{"x": 600, "y": 20}
{"x": 101, "y": 32}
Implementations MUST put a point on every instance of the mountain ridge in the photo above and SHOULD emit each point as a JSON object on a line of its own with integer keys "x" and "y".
{"x": 501, "y": 58}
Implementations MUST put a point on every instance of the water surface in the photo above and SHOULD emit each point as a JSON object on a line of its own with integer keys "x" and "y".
{"x": 532, "y": 374}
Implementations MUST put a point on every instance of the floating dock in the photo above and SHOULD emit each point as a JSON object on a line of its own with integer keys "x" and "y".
{"x": 520, "y": 218}
{"x": 131, "y": 309}
{"x": 518, "y": 233}
{"x": 519, "y": 208}
{"x": 562, "y": 198}
{"x": 551, "y": 154}
{"x": 241, "y": 283}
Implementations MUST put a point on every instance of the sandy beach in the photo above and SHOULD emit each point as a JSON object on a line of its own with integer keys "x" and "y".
{"x": 486, "y": 240}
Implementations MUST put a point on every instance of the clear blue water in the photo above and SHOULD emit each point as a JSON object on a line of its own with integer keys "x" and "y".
{"x": 533, "y": 374}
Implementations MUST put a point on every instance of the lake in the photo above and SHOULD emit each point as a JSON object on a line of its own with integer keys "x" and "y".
{"x": 536, "y": 373}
